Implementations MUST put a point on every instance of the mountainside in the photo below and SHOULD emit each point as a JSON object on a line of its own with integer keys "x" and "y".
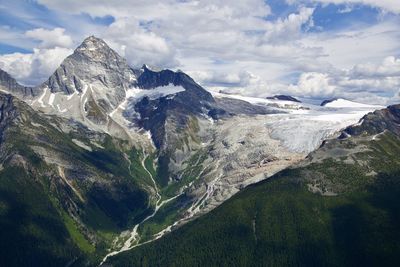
{"x": 9, "y": 84}
{"x": 339, "y": 207}
{"x": 64, "y": 185}
{"x": 121, "y": 156}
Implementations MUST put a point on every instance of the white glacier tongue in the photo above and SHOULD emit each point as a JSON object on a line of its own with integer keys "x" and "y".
{"x": 304, "y": 132}
{"x": 301, "y": 127}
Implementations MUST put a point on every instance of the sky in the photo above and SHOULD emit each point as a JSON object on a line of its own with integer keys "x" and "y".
{"x": 311, "y": 49}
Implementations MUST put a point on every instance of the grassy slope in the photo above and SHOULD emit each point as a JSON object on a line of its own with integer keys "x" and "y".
{"x": 279, "y": 222}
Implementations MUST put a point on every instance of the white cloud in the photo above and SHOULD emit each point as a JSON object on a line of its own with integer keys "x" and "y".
{"x": 33, "y": 69}
{"x": 50, "y": 38}
{"x": 231, "y": 45}
{"x": 313, "y": 84}
{"x": 289, "y": 28}
{"x": 137, "y": 45}
{"x": 390, "y": 67}
{"x": 371, "y": 83}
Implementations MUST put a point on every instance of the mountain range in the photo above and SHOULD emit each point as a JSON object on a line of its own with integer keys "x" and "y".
{"x": 102, "y": 161}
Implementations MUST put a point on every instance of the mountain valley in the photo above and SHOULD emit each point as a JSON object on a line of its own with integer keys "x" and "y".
{"x": 103, "y": 159}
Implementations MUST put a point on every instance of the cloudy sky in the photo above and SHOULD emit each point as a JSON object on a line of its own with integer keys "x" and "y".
{"x": 313, "y": 49}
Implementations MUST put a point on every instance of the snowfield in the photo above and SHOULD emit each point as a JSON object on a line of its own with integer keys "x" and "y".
{"x": 343, "y": 103}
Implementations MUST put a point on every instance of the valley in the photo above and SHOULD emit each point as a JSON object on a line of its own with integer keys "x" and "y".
{"x": 127, "y": 156}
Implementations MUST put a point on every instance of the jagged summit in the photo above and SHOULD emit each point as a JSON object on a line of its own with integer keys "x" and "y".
{"x": 96, "y": 49}
{"x": 96, "y": 73}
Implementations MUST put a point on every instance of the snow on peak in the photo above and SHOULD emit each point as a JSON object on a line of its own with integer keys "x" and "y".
{"x": 343, "y": 103}
{"x": 151, "y": 68}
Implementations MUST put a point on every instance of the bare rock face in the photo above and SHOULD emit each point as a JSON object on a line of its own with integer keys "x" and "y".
{"x": 9, "y": 84}
{"x": 8, "y": 111}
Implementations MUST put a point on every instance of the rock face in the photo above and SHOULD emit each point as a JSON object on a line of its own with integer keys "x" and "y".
{"x": 177, "y": 109}
{"x": 9, "y": 84}
{"x": 8, "y": 112}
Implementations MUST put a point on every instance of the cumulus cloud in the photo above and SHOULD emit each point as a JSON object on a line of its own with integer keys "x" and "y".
{"x": 290, "y": 27}
{"x": 33, "y": 69}
{"x": 50, "y": 38}
{"x": 138, "y": 45}
{"x": 390, "y": 67}
{"x": 371, "y": 83}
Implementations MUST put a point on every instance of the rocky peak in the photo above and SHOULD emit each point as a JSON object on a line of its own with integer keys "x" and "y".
{"x": 95, "y": 49}
{"x": 94, "y": 66}
{"x": 387, "y": 119}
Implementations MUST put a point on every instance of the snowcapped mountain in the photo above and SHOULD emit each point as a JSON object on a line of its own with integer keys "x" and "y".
{"x": 343, "y": 103}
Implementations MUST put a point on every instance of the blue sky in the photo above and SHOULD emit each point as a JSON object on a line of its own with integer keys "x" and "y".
{"x": 307, "y": 48}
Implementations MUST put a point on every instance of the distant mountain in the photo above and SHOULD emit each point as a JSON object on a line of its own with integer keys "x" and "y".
{"x": 284, "y": 97}
{"x": 325, "y": 102}
{"x": 343, "y": 103}
{"x": 9, "y": 84}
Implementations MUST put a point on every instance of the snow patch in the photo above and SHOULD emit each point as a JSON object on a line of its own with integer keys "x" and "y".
{"x": 82, "y": 145}
{"x": 40, "y": 100}
{"x": 51, "y": 99}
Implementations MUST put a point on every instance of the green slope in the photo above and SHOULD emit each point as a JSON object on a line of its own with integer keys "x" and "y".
{"x": 341, "y": 207}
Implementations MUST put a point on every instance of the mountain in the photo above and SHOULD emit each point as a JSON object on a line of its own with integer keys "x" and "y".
{"x": 284, "y": 98}
{"x": 117, "y": 157}
{"x": 89, "y": 84}
{"x": 338, "y": 207}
